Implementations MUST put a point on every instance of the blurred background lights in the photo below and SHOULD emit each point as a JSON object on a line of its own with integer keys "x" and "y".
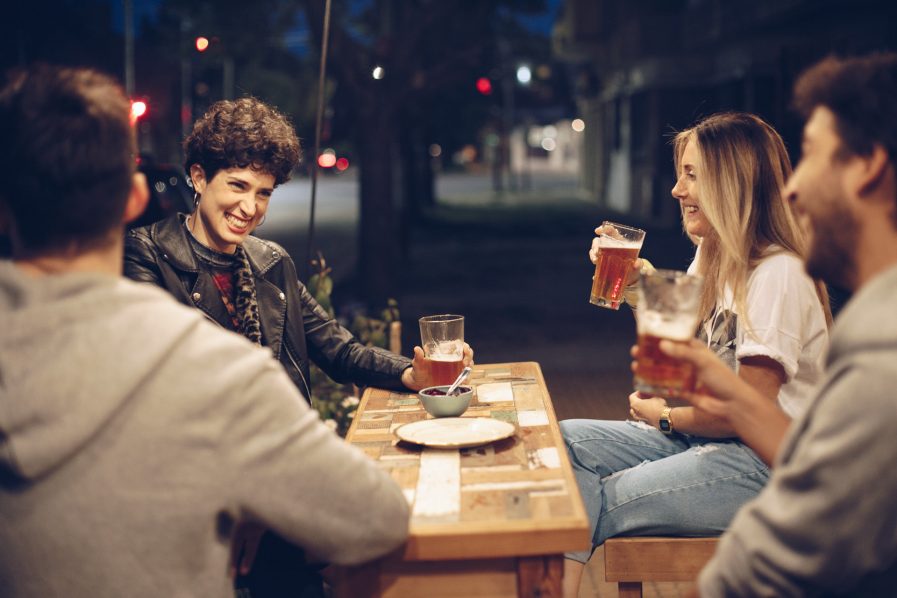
{"x": 484, "y": 86}
{"x": 578, "y": 125}
{"x": 202, "y": 43}
{"x": 550, "y": 131}
{"x": 549, "y": 144}
{"x": 378, "y": 72}
{"x": 327, "y": 159}
{"x": 435, "y": 150}
{"x": 534, "y": 136}
{"x": 524, "y": 74}
{"x": 342, "y": 164}
{"x": 138, "y": 109}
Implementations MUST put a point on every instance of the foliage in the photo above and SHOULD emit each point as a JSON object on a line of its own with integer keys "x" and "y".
{"x": 430, "y": 54}
{"x": 336, "y": 403}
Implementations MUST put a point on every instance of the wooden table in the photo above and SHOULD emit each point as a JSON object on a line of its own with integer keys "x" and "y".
{"x": 492, "y": 520}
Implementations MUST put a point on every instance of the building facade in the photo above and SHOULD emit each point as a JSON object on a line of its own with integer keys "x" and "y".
{"x": 644, "y": 69}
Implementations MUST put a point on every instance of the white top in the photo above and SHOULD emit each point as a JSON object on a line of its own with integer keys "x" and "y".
{"x": 786, "y": 323}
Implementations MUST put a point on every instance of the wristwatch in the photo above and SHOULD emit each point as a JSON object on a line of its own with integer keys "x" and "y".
{"x": 665, "y": 423}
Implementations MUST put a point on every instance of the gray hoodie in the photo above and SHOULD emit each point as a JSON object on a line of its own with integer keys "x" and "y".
{"x": 133, "y": 434}
{"x": 826, "y": 524}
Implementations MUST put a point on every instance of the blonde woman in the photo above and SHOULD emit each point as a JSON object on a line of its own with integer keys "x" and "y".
{"x": 761, "y": 313}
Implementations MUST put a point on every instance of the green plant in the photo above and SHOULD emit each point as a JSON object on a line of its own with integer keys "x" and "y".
{"x": 336, "y": 403}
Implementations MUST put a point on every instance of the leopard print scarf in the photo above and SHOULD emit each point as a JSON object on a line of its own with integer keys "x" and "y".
{"x": 245, "y": 300}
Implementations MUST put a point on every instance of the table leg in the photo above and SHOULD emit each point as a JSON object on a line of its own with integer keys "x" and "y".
{"x": 540, "y": 576}
{"x": 360, "y": 580}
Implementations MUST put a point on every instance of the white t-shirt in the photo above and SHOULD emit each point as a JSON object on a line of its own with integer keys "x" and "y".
{"x": 786, "y": 322}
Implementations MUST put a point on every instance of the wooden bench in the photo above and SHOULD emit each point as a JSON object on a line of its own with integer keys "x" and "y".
{"x": 631, "y": 561}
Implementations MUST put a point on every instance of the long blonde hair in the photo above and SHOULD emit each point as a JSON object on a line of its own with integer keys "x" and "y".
{"x": 745, "y": 166}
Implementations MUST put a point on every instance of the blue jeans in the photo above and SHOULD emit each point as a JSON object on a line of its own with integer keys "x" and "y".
{"x": 636, "y": 481}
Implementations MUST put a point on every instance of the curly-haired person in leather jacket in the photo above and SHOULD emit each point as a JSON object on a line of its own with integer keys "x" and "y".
{"x": 237, "y": 153}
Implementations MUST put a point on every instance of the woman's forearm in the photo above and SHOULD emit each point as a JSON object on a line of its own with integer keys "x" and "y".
{"x": 689, "y": 420}
{"x": 760, "y": 424}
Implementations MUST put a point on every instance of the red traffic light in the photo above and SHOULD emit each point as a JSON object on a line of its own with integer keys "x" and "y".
{"x": 202, "y": 44}
{"x": 138, "y": 109}
{"x": 484, "y": 86}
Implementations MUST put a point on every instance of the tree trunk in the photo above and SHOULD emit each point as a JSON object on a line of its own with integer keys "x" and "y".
{"x": 378, "y": 254}
{"x": 417, "y": 177}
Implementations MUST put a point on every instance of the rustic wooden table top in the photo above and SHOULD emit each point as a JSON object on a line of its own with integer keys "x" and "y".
{"x": 513, "y": 497}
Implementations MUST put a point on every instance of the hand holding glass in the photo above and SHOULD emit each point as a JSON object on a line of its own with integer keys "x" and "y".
{"x": 668, "y": 309}
{"x": 442, "y": 338}
{"x": 618, "y": 248}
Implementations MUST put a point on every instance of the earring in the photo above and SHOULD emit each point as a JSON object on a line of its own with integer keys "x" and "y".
{"x": 196, "y": 198}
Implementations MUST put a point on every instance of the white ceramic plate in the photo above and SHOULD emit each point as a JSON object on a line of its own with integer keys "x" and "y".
{"x": 455, "y": 432}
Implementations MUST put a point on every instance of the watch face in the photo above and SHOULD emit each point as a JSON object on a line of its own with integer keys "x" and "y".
{"x": 664, "y": 425}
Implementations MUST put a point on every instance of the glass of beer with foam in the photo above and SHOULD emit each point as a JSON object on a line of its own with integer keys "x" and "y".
{"x": 442, "y": 338}
{"x": 617, "y": 251}
{"x": 668, "y": 309}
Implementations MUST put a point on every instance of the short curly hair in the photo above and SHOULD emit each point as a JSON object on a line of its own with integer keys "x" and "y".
{"x": 244, "y": 133}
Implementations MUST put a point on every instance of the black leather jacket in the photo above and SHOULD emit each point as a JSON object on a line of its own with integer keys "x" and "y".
{"x": 294, "y": 326}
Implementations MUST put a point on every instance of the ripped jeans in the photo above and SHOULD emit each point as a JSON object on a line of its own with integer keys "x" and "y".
{"x": 636, "y": 481}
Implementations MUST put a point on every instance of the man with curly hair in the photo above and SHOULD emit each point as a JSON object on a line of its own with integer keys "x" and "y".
{"x": 135, "y": 435}
{"x": 236, "y": 155}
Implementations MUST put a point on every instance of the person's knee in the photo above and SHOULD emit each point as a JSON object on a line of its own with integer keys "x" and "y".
{"x": 568, "y": 428}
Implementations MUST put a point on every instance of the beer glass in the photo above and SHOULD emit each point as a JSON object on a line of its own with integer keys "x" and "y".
{"x": 442, "y": 338}
{"x": 617, "y": 251}
{"x": 668, "y": 308}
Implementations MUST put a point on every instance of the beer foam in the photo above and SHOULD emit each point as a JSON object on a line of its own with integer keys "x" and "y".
{"x": 445, "y": 350}
{"x": 677, "y": 327}
{"x": 606, "y": 241}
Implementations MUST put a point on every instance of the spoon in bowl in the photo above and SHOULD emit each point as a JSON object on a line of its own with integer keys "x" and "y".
{"x": 461, "y": 378}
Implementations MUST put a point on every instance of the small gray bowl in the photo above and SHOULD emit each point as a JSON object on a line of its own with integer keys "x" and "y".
{"x": 444, "y": 406}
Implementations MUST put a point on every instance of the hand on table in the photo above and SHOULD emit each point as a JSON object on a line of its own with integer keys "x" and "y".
{"x": 418, "y": 375}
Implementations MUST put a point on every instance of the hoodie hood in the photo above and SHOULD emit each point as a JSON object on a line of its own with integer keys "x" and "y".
{"x": 61, "y": 377}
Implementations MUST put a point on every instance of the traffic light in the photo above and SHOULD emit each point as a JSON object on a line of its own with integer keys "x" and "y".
{"x": 484, "y": 86}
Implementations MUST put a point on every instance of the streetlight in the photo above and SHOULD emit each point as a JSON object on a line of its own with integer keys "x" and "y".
{"x": 138, "y": 109}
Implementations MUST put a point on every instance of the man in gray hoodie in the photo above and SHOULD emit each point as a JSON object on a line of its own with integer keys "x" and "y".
{"x": 134, "y": 434}
{"x": 826, "y": 524}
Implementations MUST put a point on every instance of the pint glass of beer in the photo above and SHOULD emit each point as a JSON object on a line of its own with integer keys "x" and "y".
{"x": 617, "y": 251}
{"x": 442, "y": 338}
{"x": 668, "y": 309}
